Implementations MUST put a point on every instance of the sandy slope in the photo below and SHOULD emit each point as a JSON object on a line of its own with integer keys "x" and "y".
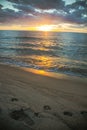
{"x": 34, "y": 102}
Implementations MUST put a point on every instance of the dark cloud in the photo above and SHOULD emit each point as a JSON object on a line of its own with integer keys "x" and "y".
{"x": 24, "y": 8}
{"x": 9, "y": 16}
{"x": 78, "y": 4}
{"x": 41, "y": 4}
{"x": 1, "y": 6}
{"x": 76, "y": 12}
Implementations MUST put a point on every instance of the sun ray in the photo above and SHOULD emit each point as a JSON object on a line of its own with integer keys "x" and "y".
{"x": 45, "y": 28}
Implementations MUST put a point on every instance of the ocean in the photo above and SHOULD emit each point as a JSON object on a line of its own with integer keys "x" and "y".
{"x": 57, "y": 52}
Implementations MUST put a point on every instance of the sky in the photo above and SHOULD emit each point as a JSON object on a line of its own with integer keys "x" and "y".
{"x": 48, "y": 15}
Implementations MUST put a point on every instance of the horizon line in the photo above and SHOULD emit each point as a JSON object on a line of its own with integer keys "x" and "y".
{"x": 44, "y": 31}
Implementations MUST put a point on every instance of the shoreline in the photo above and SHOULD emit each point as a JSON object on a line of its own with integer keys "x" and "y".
{"x": 49, "y": 73}
{"x": 31, "y": 101}
{"x": 54, "y": 74}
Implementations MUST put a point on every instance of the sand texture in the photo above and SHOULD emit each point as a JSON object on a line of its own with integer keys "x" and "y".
{"x": 33, "y": 102}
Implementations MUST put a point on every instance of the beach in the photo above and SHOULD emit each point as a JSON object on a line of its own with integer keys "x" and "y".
{"x": 31, "y": 101}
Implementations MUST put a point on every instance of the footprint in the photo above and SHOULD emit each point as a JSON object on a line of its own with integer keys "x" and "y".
{"x": 46, "y": 107}
{"x": 0, "y": 109}
{"x": 84, "y": 112}
{"x": 14, "y": 99}
{"x": 36, "y": 114}
{"x": 22, "y": 116}
{"x": 67, "y": 113}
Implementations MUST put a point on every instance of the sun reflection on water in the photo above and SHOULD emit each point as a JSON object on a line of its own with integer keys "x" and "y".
{"x": 42, "y": 61}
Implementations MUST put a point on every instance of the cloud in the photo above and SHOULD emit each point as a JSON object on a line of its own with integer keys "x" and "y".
{"x": 8, "y": 16}
{"x": 41, "y": 4}
{"x": 24, "y": 8}
{"x": 51, "y": 11}
{"x": 77, "y": 11}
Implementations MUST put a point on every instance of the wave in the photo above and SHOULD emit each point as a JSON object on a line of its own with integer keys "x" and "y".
{"x": 25, "y": 38}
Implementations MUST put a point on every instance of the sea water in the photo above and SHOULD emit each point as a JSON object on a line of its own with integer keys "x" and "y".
{"x": 56, "y": 52}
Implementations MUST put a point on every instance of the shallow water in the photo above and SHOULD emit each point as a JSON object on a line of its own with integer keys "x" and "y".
{"x": 54, "y": 52}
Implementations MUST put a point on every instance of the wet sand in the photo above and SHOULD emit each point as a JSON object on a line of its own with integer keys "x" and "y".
{"x": 34, "y": 102}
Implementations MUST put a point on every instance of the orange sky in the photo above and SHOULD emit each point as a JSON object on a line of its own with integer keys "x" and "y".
{"x": 63, "y": 28}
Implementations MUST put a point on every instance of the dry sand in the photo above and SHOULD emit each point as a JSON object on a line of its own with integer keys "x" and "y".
{"x": 33, "y": 102}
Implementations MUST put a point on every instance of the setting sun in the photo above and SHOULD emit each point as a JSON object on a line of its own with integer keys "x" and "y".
{"x": 45, "y": 28}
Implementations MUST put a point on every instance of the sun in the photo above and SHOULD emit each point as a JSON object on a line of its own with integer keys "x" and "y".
{"x": 45, "y": 28}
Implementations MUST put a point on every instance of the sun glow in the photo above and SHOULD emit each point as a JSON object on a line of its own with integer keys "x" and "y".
{"x": 45, "y": 28}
